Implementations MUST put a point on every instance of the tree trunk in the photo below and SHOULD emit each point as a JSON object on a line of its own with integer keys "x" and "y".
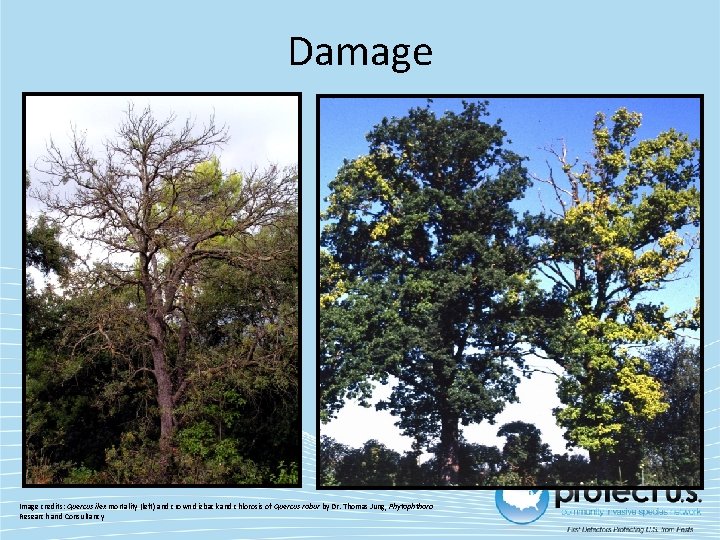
{"x": 156, "y": 327}
{"x": 449, "y": 454}
{"x": 449, "y": 450}
{"x": 165, "y": 404}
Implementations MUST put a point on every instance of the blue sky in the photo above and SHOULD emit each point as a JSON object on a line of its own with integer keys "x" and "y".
{"x": 532, "y": 124}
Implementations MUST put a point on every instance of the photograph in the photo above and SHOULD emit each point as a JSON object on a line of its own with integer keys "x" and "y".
{"x": 509, "y": 291}
{"x": 161, "y": 307}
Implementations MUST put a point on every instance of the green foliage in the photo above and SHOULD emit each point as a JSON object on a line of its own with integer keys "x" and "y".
{"x": 574, "y": 470}
{"x": 92, "y": 415}
{"x": 207, "y": 459}
{"x": 196, "y": 439}
{"x": 524, "y": 461}
{"x": 424, "y": 275}
{"x": 82, "y": 475}
{"x": 286, "y": 474}
{"x": 330, "y": 453}
{"x": 66, "y": 422}
{"x": 524, "y": 453}
{"x": 372, "y": 465}
{"x": 672, "y": 443}
{"x": 40, "y": 470}
{"x": 45, "y": 251}
{"x": 199, "y": 202}
{"x": 133, "y": 461}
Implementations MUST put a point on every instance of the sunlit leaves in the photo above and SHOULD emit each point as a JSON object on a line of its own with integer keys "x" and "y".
{"x": 629, "y": 229}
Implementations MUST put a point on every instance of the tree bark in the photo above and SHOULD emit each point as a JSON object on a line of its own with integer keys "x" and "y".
{"x": 158, "y": 341}
{"x": 448, "y": 453}
{"x": 449, "y": 449}
{"x": 165, "y": 404}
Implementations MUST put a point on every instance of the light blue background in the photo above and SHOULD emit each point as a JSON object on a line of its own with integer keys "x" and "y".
{"x": 478, "y": 47}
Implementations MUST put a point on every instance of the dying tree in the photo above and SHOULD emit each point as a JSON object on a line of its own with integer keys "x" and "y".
{"x": 152, "y": 209}
{"x": 623, "y": 227}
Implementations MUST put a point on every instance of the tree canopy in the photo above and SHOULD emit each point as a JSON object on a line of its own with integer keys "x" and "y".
{"x": 425, "y": 274}
{"x": 184, "y": 316}
{"x": 624, "y": 225}
{"x": 431, "y": 279}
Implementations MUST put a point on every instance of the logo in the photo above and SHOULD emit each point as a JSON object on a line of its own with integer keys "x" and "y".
{"x": 624, "y": 495}
{"x": 522, "y": 506}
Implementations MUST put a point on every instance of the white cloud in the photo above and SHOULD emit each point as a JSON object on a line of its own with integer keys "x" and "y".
{"x": 262, "y": 129}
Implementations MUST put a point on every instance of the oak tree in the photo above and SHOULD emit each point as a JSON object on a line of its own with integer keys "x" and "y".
{"x": 153, "y": 209}
{"x": 621, "y": 228}
{"x": 424, "y": 274}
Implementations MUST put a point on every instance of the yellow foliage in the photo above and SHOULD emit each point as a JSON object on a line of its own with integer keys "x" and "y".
{"x": 644, "y": 395}
{"x": 382, "y": 226}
